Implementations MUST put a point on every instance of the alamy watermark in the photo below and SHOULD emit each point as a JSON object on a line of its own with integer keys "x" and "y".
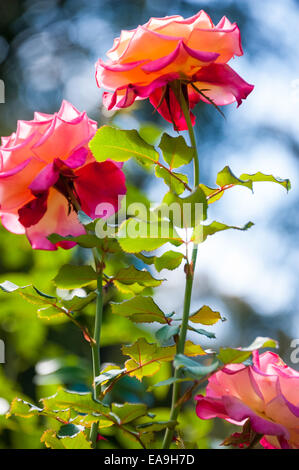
{"x": 294, "y": 357}
{"x": 138, "y": 220}
{"x": 2, "y": 352}
{"x": 2, "y": 92}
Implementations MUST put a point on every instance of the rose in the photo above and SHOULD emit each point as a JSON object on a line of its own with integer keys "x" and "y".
{"x": 144, "y": 61}
{"x": 267, "y": 393}
{"x": 48, "y": 171}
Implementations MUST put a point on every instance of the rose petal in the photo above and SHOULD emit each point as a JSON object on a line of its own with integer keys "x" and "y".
{"x": 98, "y": 183}
{"x": 33, "y": 211}
{"x": 57, "y": 219}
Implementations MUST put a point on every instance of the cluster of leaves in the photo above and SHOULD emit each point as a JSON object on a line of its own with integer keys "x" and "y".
{"x": 151, "y": 349}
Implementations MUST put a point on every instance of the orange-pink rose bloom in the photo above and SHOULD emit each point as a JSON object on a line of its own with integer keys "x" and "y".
{"x": 267, "y": 393}
{"x": 41, "y": 163}
{"x": 143, "y": 61}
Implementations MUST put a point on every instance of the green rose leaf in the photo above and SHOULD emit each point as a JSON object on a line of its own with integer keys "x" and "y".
{"x": 169, "y": 260}
{"x": 194, "y": 368}
{"x": 188, "y": 211}
{"x": 78, "y": 303}
{"x": 204, "y": 231}
{"x": 167, "y": 332}
{"x": 121, "y": 145}
{"x": 140, "y": 310}
{"x": 177, "y": 182}
{"x": 156, "y": 426}
{"x": 80, "y": 402}
{"x": 202, "y": 332}
{"x": 150, "y": 133}
{"x": 226, "y": 177}
{"x": 146, "y": 358}
{"x": 85, "y": 241}
{"x": 132, "y": 275}
{"x": 175, "y": 151}
{"x": 29, "y": 293}
{"x": 79, "y": 441}
{"x": 237, "y": 355}
{"x": 71, "y": 277}
{"x": 261, "y": 177}
{"x": 212, "y": 194}
{"x": 135, "y": 235}
{"x": 206, "y": 316}
{"x": 127, "y": 412}
{"x": 108, "y": 374}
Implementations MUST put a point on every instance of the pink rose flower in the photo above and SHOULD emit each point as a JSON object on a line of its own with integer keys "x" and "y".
{"x": 143, "y": 61}
{"x": 267, "y": 393}
{"x": 41, "y": 163}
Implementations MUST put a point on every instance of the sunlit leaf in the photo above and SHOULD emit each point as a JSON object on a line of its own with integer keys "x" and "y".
{"x": 131, "y": 275}
{"x": 78, "y": 441}
{"x": 261, "y": 177}
{"x": 128, "y": 412}
{"x": 139, "y": 309}
{"x": 71, "y": 277}
{"x": 175, "y": 151}
{"x": 169, "y": 260}
{"x": 226, "y": 177}
{"x": 188, "y": 211}
{"x": 237, "y": 355}
{"x": 204, "y": 231}
{"x": 107, "y": 374}
{"x": 85, "y": 241}
{"x": 177, "y": 182}
{"x": 146, "y": 358}
{"x": 121, "y": 145}
{"x": 206, "y": 316}
{"x": 137, "y": 235}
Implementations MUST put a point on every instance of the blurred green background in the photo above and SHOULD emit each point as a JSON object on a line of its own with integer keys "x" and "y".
{"x": 47, "y": 52}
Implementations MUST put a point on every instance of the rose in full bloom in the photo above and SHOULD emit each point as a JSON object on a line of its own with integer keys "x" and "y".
{"x": 48, "y": 172}
{"x": 266, "y": 393}
{"x": 144, "y": 62}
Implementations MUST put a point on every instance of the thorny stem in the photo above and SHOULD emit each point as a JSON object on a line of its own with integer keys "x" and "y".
{"x": 95, "y": 343}
{"x": 176, "y": 405}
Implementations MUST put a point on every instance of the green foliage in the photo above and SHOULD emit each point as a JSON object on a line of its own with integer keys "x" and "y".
{"x": 194, "y": 369}
{"x": 148, "y": 236}
{"x": 177, "y": 182}
{"x": 165, "y": 333}
{"x": 175, "y": 151}
{"x": 206, "y": 316}
{"x": 169, "y": 260}
{"x": 226, "y": 177}
{"x": 261, "y": 177}
{"x": 236, "y": 355}
{"x": 146, "y": 358}
{"x": 131, "y": 279}
{"x": 128, "y": 412}
{"x": 192, "y": 209}
{"x": 70, "y": 412}
{"x": 204, "y": 231}
{"x": 120, "y": 146}
{"x": 70, "y": 277}
{"x": 139, "y": 309}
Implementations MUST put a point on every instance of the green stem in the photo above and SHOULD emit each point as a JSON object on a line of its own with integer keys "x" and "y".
{"x": 95, "y": 345}
{"x": 175, "y": 408}
{"x": 95, "y": 348}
